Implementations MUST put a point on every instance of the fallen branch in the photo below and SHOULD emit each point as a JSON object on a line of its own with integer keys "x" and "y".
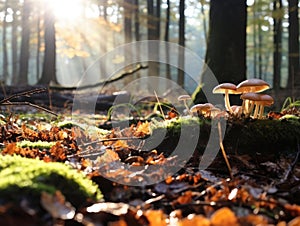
{"x": 101, "y": 83}
{"x": 7, "y": 101}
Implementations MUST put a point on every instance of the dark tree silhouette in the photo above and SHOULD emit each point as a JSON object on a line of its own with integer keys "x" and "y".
{"x": 226, "y": 47}
{"x": 24, "y": 54}
{"x": 49, "y": 64}
{"x": 294, "y": 67}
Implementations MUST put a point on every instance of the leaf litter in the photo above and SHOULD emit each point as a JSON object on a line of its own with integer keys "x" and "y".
{"x": 264, "y": 190}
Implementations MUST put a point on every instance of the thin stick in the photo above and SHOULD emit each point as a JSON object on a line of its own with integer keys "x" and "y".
{"x": 223, "y": 150}
{"x": 26, "y": 93}
{"x": 159, "y": 105}
{"x": 31, "y": 105}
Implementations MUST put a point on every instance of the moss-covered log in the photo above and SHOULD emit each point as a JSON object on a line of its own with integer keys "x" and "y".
{"x": 242, "y": 135}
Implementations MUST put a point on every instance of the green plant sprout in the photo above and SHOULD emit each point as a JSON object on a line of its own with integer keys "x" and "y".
{"x": 289, "y": 103}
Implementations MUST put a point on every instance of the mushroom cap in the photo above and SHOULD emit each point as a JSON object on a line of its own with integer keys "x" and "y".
{"x": 229, "y": 87}
{"x": 251, "y": 96}
{"x": 184, "y": 97}
{"x": 266, "y": 99}
{"x": 203, "y": 108}
{"x": 254, "y": 85}
{"x": 263, "y": 99}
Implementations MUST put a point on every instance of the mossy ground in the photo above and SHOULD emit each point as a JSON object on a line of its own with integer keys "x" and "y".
{"x": 24, "y": 178}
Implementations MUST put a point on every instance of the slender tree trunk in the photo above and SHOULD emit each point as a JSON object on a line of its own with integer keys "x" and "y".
{"x": 166, "y": 38}
{"x": 259, "y": 51}
{"x": 14, "y": 47}
{"x": 4, "y": 45}
{"x": 136, "y": 20}
{"x": 24, "y": 55}
{"x": 49, "y": 64}
{"x": 204, "y": 20}
{"x": 277, "y": 38}
{"x": 181, "y": 42}
{"x": 128, "y": 20}
{"x": 294, "y": 67}
{"x": 38, "y": 46}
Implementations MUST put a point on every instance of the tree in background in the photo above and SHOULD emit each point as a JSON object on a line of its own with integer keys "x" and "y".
{"x": 294, "y": 67}
{"x": 24, "y": 55}
{"x": 49, "y": 64}
{"x": 226, "y": 47}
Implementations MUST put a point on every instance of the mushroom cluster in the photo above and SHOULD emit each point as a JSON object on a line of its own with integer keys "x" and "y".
{"x": 251, "y": 95}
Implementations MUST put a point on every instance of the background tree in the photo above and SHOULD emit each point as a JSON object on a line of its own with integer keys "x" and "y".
{"x": 294, "y": 67}
{"x": 226, "y": 47}
{"x": 24, "y": 55}
{"x": 277, "y": 39}
{"x": 49, "y": 63}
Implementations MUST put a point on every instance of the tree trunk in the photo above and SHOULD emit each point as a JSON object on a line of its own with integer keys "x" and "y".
{"x": 136, "y": 20}
{"x": 14, "y": 47}
{"x": 277, "y": 38}
{"x": 49, "y": 64}
{"x": 166, "y": 38}
{"x": 128, "y": 20}
{"x": 181, "y": 42}
{"x": 24, "y": 55}
{"x": 294, "y": 73}
{"x": 4, "y": 46}
{"x": 226, "y": 49}
{"x": 38, "y": 46}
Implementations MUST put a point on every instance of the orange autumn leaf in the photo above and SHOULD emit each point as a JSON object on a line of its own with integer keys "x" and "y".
{"x": 224, "y": 217}
{"x": 156, "y": 217}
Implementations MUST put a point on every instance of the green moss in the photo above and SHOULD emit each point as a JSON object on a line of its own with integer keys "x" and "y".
{"x": 23, "y": 177}
{"x": 91, "y": 130}
{"x": 38, "y": 144}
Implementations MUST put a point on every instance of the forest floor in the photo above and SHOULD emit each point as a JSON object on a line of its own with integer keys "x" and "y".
{"x": 73, "y": 168}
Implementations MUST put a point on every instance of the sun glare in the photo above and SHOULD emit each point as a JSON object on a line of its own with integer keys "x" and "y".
{"x": 67, "y": 9}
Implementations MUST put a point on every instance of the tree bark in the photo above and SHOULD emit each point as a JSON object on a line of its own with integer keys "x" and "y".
{"x": 226, "y": 49}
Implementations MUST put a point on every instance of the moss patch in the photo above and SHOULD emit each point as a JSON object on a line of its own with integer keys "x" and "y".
{"x": 23, "y": 177}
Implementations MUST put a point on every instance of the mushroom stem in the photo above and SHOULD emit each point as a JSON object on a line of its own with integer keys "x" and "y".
{"x": 261, "y": 111}
{"x": 187, "y": 108}
{"x": 251, "y": 107}
{"x": 227, "y": 104}
{"x": 256, "y": 110}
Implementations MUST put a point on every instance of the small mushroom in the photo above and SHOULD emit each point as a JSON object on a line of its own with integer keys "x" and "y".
{"x": 253, "y": 85}
{"x": 265, "y": 100}
{"x": 252, "y": 98}
{"x": 226, "y": 88}
{"x": 203, "y": 109}
{"x": 184, "y": 98}
{"x": 260, "y": 101}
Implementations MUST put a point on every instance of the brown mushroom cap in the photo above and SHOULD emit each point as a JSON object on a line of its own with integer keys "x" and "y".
{"x": 184, "y": 97}
{"x": 229, "y": 87}
{"x": 251, "y": 96}
{"x": 254, "y": 85}
{"x": 202, "y": 108}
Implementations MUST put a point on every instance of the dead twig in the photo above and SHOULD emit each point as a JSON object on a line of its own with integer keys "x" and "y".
{"x": 29, "y": 104}
{"x": 7, "y": 100}
{"x": 22, "y": 94}
{"x": 223, "y": 150}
